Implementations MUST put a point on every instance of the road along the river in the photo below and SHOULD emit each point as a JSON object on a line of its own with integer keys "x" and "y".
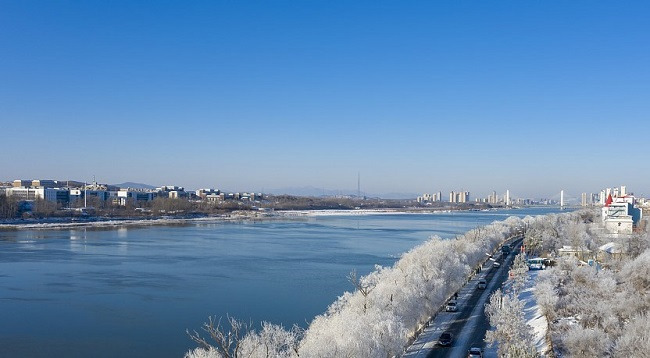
{"x": 469, "y": 324}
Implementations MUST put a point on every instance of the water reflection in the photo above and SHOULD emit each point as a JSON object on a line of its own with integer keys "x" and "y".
{"x": 78, "y": 240}
{"x": 9, "y": 235}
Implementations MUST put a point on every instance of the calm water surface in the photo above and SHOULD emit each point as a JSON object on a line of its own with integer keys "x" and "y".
{"x": 132, "y": 292}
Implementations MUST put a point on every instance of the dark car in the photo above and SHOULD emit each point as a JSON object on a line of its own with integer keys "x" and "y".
{"x": 475, "y": 352}
{"x": 445, "y": 339}
{"x": 482, "y": 284}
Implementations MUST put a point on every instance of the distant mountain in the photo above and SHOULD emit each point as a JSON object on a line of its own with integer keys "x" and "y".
{"x": 313, "y": 191}
{"x": 133, "y": 185}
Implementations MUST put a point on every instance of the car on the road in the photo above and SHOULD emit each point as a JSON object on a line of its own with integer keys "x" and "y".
{"x": 445, "y": 339}
{"x": 475, "y": 352}
{"x": 496, "y": 265}
{"x": 482, "y": 284}
{"x": 451, "y": 306}
{"x": 536, "y": 264}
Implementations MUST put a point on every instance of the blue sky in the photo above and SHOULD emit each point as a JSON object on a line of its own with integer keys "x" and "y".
{"x": 534, "y": 96}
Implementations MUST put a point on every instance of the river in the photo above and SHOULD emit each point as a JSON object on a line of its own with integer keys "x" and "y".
{"x": 132, "y": 292}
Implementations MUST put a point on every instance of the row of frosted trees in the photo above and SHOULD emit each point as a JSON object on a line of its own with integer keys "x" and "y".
{"x": 380, "y": 318}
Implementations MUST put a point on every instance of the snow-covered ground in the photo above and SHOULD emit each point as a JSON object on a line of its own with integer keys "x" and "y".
{"x": 66, "y": 223}
{"x": 533, "y": 313}
{"x": 335, "y": 212}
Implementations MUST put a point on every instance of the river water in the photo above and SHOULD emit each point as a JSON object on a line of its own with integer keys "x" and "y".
{"x": 132, "y": 292}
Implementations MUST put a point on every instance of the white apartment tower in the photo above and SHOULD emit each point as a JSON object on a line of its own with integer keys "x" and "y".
{"x": 459, "y": 197}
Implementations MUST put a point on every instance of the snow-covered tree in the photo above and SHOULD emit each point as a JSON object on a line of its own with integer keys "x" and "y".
{"x": 587, "y": 342}
{"x": 597, "y": 312}
{"x": 506, "y": 314}
{"x": 271, "y": 341}
{"x": 518, "y": 273}
{"x": 635, "y": 340}
{"x": 237, "y": 339}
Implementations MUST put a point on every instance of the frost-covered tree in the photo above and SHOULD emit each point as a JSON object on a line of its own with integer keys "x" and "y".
{"x": 240, "y": 340}
{"x": 518, "y": 273}
{"x": 223, "y": 341}
{"x": 635, "y": 340}
{"x": 546, "y": 296}
{"x": 591, "y": 311}
{"x": 587, "y": 342}
{"x": 506, "y": 314}
{"x": 271, "y": 341}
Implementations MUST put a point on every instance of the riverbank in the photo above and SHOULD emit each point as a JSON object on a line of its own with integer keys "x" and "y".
{"x": 247, "y": 215}
{"x": 98, "y": 222}
{"x": 363, "y": 212}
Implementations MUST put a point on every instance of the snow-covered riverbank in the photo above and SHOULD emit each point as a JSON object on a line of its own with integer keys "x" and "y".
{"x": 358, "y": 212}
{"x": 65, "y": 223}
{"x": 47, "y": 224}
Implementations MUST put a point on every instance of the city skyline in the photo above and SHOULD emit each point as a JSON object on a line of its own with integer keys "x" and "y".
{"x": 531, "y": 98}
{"x": 493, "y": 197}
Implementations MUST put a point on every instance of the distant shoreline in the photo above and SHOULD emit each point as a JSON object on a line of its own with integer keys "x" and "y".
{"x": 103, "y": 222}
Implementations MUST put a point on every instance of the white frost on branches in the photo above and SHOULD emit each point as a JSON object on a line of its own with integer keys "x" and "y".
{"x": 595, "y": 312}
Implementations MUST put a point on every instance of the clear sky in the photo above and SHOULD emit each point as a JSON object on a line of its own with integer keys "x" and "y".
{"x": 531, "y": 96}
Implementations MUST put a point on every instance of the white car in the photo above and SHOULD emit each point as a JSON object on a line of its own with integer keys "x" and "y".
{"x": 536, "y": 264}
{"x": 482, "y": 284}
{"x": 496, "y": 265}
{"x": 451, "y": 306}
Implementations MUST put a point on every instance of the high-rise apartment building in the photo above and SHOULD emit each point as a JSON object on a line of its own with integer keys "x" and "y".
{"x": 459, "y": 197}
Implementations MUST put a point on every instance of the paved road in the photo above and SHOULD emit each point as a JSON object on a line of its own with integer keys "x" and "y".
{"x": 469, "y": 324}
{"x": 472, "y": 324}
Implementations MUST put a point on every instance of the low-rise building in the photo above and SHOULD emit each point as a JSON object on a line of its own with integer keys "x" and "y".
{"x": 57, "y": 195}
{"x": 577, "y": 252}
{"x": 610, "y": 251}
{"x": 203, "y": 193}
{"x": 172, "y": 192}
{"x": 22, "y": 183}
{"x": 45, "y": 183}
{"x": 620, "y": 215}
{"x": 133, "y": 196}
{"x": 215, "y": 198}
